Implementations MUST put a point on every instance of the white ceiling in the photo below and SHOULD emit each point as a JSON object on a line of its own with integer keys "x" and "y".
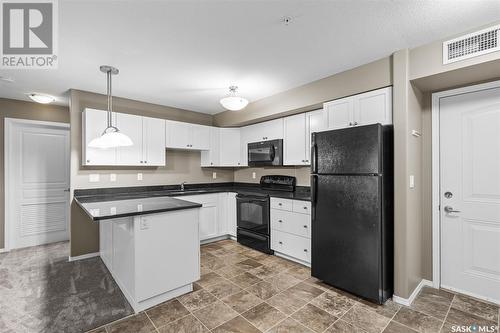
{"x": 186, "y": 53}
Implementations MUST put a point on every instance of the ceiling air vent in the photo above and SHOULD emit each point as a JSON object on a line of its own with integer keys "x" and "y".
{"x": 472, "y": 45}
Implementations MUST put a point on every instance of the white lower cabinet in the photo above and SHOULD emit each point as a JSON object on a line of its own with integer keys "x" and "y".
{"x": 291, "y": 229}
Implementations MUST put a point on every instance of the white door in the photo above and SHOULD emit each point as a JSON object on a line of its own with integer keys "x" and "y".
{"x": 37, "y": 183}
{"x": 295, "y": 140}
{"x": 208, "y": 221}
{"x": 153, "y": 137}
{"x": 339, "y": 113}
{"x": 179, "y": 135}
{"x": 470, "y": 192}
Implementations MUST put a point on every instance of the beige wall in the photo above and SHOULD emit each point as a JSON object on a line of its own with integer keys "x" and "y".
{"x": 181, "y": 165}
{"x": 24, "y": 110}
{"x": 301, "y": 173}
{"x": 311, "y": 96}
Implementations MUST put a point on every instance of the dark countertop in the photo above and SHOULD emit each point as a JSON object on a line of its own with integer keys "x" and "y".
{"x": 104, "y": 210}
{"x": 155, "y": 199}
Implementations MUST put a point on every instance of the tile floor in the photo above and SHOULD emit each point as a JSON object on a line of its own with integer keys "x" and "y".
{"x": 40, "y": 291}
{"x": 245, "y": 291}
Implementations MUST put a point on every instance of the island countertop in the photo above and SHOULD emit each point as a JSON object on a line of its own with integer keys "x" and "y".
{"x": 112, "y": 209}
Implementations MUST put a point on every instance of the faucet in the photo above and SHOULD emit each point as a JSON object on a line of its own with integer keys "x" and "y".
{"x": 182, "y": 186}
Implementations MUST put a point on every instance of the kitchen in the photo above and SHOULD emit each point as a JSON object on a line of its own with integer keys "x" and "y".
{"x": 309, "y": 210}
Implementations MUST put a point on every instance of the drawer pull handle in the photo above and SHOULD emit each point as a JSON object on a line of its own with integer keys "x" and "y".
{"x": 280, "y": 204}
{"x": 280, "y": 221}
{"x": 305, "y": 250}
{"x": 305, "y": 207}
{"x": 281, "y": 243}
{"x": 305, "y": 226}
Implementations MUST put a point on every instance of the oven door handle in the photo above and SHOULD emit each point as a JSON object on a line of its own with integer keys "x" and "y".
{"x": 250, "y": 199}
{"x": 251, "y": 234}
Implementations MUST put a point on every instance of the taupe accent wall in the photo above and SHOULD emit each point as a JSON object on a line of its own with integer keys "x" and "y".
{"x": 181, "y": 165}
{"x": 23, "y": 110}
{"x": 377, "y": 74}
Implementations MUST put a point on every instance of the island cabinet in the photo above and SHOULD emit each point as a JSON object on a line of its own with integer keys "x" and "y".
{"x": 153, "y": 257}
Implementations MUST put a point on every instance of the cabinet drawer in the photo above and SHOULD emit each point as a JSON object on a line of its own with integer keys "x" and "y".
{"x": 292, "y": 245}
{"x": 283, "y": 204}
{"x": 303, "y": 207}
{"x": 297, "y": 224}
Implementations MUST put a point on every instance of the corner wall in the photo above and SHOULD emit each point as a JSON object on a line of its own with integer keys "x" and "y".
{"x": 10, "y": 108}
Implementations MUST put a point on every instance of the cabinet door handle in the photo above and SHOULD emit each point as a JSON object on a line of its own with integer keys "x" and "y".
{"x": 305, "y": 226}
{"x": 280, "y": 204}
{"x": 280, "y": 221}
{"x": 88, "y": 161}
{"x": 280, "y": 242}
{"x": 350, "y": 123}
{"x": 355, "y": 123}
{"x": 142, "y": 162}
{"x": 305, "y": 250}
{"x": 305, "y": 207}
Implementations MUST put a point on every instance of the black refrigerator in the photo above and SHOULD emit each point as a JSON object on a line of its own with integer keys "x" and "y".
{"x": 352, "y": 210}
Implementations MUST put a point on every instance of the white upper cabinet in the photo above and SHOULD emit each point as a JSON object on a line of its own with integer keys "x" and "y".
{"x": 187, "y": 136}
{"x": 315, "y": 122}
{"x": 295, "y": 140}
{"x": 230, "y": 147}
{"x": 374, "y": 107}
{"x": 297, "y": 136}
{"x": 93, "y": 124}
{"x": 268, "y": 130}
{"x": 368, "y": 108}
{"x": 147, "y": 135}
{"x": 211, "y": 157}
{"x": 339, "y": 113}
{"x": 130, "y": 125}
{"x": 153, "y": 141}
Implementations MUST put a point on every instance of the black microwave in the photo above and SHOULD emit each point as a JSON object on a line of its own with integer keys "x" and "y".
{"x": 265, "y": 153}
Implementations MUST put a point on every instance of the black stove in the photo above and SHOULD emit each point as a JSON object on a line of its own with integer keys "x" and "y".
{"x": 253, "y": 211}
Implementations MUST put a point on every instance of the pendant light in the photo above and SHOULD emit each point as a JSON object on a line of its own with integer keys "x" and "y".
{"x": 233, "y": 102}
{"x": 111, "y": 137}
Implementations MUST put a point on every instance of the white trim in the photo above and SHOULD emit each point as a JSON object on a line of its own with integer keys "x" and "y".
{"x": 414, "y": 294}
{"x": 436, "y": 218}
{"x": 484, "y": 298}
{"x": 4, "y": 250}
{"x": 84, "y": 256}
{"x": 285, "y": 256}
{"x": 8, "y": 123}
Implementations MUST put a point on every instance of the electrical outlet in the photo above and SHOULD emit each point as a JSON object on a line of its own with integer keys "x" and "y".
{"x": 412, "y": 181}
{"x": 139, "y": 207}
{"x": 139, "y": 176}
{"x": 112, "y": 177}
{"x": 254, "y": 175}
{"x": 112, "y": 210}
{"x": 214, "y": 175}
{"x": 94, "y": 178}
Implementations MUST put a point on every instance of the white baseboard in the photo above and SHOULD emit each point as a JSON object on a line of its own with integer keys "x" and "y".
{"x": 414, "y": 294}
{"x": 302, "y": 262}
{"x": 3, "y": 250}
{"x": 84, "y": 256}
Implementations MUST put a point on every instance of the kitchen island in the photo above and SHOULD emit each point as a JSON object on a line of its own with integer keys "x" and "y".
{"x": 150, "y": 246}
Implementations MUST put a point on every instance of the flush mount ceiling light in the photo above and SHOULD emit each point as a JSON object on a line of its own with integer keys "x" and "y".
{"x": 41, "y": 98}
{"x": 111, "y": 137}
{"x": 233, "y": 102}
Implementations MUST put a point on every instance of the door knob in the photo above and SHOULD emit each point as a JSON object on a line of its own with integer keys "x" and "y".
{"x": 450, "y": 209}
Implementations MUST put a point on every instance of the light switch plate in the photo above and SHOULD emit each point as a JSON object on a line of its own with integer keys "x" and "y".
{"x": 94, "y": 178}
{"x": 253, "y": 175}
{"x": 214, "y": 175}
{"x": 112, "y": 177}
{"x": 139, "y": 176}
{"x": 412, "y": 181}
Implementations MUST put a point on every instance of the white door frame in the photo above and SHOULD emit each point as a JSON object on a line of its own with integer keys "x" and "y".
{"x": 436, "y": 216}
{"x": 9, "y": 123}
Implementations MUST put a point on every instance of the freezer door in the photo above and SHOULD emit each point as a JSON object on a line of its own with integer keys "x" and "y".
{"x": 354, "y": 150}
{"x": 346, "y": 233}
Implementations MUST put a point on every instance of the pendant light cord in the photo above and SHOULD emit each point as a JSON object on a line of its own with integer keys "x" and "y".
{"x": 110, "y": 100}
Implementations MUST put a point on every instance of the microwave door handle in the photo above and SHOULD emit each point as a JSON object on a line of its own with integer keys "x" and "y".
{"x": 272, "y": 154}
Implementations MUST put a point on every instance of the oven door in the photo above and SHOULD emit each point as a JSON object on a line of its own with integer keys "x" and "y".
{"x": 253, "y": 213}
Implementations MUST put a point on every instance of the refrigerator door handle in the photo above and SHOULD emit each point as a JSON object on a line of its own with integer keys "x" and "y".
{"x": 314, "y": 157}
{"x": 314, "y": 185}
